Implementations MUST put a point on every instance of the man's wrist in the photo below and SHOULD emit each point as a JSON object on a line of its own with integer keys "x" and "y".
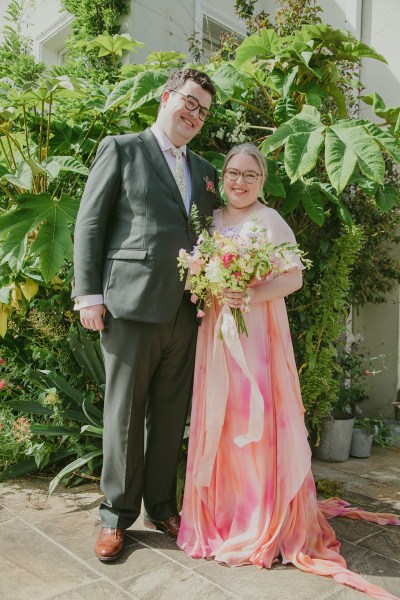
{"x": 88, "y": 300}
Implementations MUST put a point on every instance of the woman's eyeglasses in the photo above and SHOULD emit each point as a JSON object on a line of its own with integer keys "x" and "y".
{"x": 193, "y": 104}
{"x": 248, "y": 176}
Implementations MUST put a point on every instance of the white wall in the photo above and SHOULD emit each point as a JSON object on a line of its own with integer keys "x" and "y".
{"x": 47, "y": 24}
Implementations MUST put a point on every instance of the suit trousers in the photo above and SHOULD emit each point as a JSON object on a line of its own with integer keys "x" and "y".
{"x": 149, "y": 378}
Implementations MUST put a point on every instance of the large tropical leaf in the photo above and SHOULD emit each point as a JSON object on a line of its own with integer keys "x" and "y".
{"x": 261, "y": 45}
{"x": 116, "y": 44}
{"x": 339, "y": 161}
{"x": 301, "y": 152}
{"x": 119, "y": 94}
{"x": 385, "y": 139}
{"x": 274, "y": 185}
{"x": 229, "y": 81}
{"x": 282, "y": 82}
{"x": 306, "y": 121}
{"x": 359, "y": 49}
{"x": 389, "y": 113}
{"x": 285, "y": 109}
{"x": 53, "y": 242}
{"x": 55, "y": 164}
{"x": 388, "y": 197}
{"x": 342, "y": 210}
{"x": 147, "y": 86}
{"x": 22, "y": 178}
{"x": 313, "y": 204}
{"x": 293, "y": 196}
{"x": 369, "y": 156}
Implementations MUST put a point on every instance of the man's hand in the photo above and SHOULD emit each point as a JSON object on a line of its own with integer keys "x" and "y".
{"x": 92, "y": 317}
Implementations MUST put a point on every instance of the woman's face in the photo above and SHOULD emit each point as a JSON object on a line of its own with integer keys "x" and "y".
{"x": 244, "y": 191}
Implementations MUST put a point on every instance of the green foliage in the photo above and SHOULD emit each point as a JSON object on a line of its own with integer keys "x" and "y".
{"x": 294, "y": 14}
{"x": 94, "y": 20}
{"x": 377, "y": 267}
{"x": 16, "y": 60}
{"x": 92, "y": 17}
{"x": 317, "y": 326}
{"x": 57, "y": 420}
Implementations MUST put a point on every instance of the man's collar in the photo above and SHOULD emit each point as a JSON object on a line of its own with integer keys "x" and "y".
{"x": 163, "y": 140}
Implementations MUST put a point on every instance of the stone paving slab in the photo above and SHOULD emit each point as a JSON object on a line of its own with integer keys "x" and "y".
{"x": 48, "y": 548}
{"x": 171, "y": 581}
{"x": 98, "y": 590}
{"x": 252, "y": 583}
{"x": 33, "y": 567}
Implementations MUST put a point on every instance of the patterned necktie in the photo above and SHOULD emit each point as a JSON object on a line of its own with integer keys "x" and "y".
{"x": 179, "y": 172}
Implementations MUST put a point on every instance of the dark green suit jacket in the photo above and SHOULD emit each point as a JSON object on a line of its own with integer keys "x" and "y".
{"x": 131, "y": 225}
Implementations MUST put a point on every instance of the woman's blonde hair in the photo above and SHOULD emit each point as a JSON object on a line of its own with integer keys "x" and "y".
{"x": 251, "y": 150}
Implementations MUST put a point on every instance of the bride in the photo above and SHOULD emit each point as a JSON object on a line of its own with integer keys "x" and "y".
{"x": 256, "y": 503}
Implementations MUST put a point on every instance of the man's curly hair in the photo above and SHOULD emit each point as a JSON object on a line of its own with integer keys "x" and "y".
{"x": 178, "y": 78}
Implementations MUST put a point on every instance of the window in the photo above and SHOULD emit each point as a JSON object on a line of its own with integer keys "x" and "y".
{"x": 50, "y": 45}
{"x": 214, "y": 24}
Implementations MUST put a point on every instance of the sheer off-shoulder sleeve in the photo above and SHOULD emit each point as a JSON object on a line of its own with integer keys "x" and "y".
{"x": 278, "y": 232}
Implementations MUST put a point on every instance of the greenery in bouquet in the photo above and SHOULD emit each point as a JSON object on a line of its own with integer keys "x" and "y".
{"x": 233, "y": 260}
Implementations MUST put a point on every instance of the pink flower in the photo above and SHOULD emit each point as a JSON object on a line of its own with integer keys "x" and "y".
{"x": 1, "y": 361}
{"x": 196, "y": 266}
{"x": 227, "y": 259}
{"x": 200, "y": 313}
{"x": 194, "y": 298}
{"x": 3, "y": 383}
{"x": 209, "y": 185}
{"x": 367, "y": 372}
{"x": 1, "y": 425}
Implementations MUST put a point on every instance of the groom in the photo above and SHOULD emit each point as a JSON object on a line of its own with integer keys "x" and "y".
{"x": 133, "y": 220}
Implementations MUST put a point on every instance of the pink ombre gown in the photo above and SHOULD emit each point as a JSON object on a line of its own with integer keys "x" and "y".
{"x": 254, "y": 502}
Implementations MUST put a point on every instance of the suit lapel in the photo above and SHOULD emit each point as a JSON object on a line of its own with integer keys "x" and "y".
{"x": 195, "y": 175}
{"x": 149, "y": 146}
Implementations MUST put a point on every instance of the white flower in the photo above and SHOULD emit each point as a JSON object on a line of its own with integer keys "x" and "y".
{"x": 213, "y": 270}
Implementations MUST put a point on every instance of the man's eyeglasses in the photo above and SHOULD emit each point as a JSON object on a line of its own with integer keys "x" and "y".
{"x": 248, "y": 176}
{"x": 193, "y": 104}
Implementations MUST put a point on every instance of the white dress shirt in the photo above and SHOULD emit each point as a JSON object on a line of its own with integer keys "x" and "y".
{"x": 165, "y": 145}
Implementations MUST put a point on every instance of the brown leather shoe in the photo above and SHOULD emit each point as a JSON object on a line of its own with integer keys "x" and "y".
{"x": 109, "y": 543}
{"x": 170, "y": 526}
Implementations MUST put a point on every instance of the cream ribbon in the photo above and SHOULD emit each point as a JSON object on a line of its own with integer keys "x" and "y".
{"x": 217, "y": 395}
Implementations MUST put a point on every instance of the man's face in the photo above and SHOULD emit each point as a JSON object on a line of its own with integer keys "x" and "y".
{"x": 177, "y": 122}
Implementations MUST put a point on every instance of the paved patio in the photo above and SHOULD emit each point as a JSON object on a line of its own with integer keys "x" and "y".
{"x": 47, "y": 547}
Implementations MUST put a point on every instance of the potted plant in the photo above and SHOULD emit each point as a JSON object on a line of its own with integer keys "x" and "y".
{"x": 365, "y": 432}
{"x": 362, "y": 437}
{"x": 353, "y": 370}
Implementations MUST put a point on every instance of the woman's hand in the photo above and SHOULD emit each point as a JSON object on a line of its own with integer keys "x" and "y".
{"x": 235, "y": 299}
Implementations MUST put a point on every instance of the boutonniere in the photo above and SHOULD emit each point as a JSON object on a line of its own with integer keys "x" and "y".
{"x": 209, "y": 185}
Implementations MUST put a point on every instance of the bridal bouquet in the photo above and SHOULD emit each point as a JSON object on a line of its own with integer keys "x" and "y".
{"x": 234, "y": 260}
